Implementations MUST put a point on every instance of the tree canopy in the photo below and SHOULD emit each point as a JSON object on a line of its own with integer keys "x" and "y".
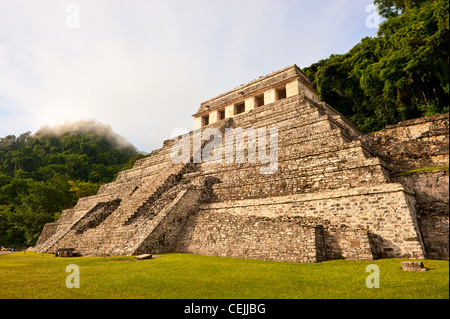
{"x": 400, "y": 74}
{"x": 45, "y": 173}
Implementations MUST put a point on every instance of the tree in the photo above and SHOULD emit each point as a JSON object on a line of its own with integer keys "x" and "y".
{"x": 45, "y": 173}
{"x": 403, "y": 73}
{"x": 38, "y": 205}
{"x": 393, "y": 8}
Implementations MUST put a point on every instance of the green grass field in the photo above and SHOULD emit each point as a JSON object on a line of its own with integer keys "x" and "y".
{"x": 179, "y": 276}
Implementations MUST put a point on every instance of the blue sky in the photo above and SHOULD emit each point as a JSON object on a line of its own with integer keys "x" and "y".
{"x": 144, "y": 67}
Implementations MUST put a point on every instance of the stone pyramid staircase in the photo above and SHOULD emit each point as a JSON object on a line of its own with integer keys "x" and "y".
{"x": 124, "y": 213}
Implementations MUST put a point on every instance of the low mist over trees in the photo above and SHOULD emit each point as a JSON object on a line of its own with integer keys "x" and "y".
{"x": 45, "y": 173}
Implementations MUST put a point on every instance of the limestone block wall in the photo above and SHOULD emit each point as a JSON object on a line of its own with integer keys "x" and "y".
{"x": 432, "y": 205}
{"x": 233, "y": 232}
{"x": 386, "y": 213}
{"x": 435, "y": 233}
{"x": 343, "y": 242}
{"x": 416, "y": 144}
{"x": 411, "y": 144}
{"x": 225, "y": 234}
{"x": 48, "y": 231}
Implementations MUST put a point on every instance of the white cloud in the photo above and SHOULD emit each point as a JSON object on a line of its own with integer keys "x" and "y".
{"x": 144, "y": 67}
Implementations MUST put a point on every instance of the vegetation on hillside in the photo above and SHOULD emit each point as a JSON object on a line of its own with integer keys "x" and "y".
{"x": 45, "y": 173}
{"x": 401, "y": 74}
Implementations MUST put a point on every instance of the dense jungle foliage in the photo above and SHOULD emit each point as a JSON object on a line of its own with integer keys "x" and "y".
{"x": 44, "y": 173}
{"x": 400, "y": 74}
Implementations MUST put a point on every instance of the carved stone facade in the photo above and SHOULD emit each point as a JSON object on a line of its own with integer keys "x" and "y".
{"x": 334, "y": 195}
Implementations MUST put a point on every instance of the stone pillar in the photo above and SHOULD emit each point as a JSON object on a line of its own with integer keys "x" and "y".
{"x": 250, "y": 104}
{"x": 293, "y": 88}
{"x": 270, "y": 96}
{"x": 229, "y": 111}
{"x": 296, "y": 87}
{"x": 213, "y": 117}
{"x": 197, "y": 122}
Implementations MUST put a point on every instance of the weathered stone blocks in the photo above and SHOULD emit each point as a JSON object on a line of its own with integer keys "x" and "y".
{"x": 335, "y": 193}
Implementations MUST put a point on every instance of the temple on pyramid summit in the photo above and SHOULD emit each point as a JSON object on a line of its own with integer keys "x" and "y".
{"x": 334, "y": 193}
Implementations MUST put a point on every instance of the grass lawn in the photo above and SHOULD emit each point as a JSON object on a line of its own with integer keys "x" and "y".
{"x": 179, "y": 276}
{"x": 423, "y": 169}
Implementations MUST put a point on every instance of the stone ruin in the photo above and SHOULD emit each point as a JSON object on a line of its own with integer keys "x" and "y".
{"x": 336, "y": 192}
